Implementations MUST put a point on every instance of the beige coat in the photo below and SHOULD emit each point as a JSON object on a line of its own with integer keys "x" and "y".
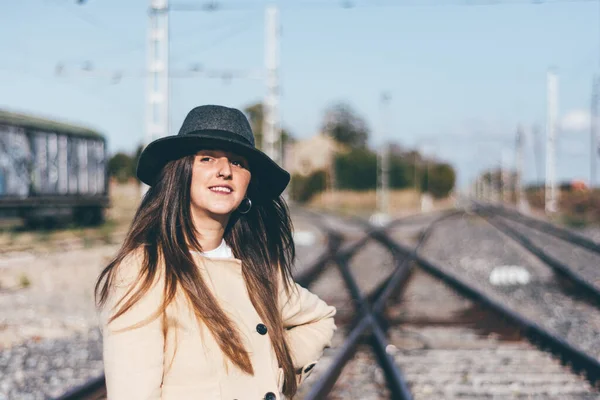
{"x": 142, "y": 363}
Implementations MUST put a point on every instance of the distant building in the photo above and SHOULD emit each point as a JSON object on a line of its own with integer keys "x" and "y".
{"x": 578, "y": 185}
{"x": 309, "y": 155}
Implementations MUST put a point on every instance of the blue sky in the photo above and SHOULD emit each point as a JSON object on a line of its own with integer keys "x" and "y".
{"x": 461, "y": 77}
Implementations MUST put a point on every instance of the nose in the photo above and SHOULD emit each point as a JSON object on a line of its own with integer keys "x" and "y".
{"x": 223, "y": 167}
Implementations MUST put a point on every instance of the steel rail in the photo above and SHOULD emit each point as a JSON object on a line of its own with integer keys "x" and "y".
{"x": 576, "y": 359}
{"x": 562, "y": 269}
{"x": 368, "y": 324}
{"x": 396, "y": 381}
{"x": 395, "y": 283}
{"x": 369, "y": 320}
{"x": 86, "y": 390}
{"x": 335, "y": 239}
{"x": 312, "y": 273}
{"x": 545, "y": 227}
{"x": 579, "y": 361}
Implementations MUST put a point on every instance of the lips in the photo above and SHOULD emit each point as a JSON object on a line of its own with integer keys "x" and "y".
{"x": 223, "y": 189}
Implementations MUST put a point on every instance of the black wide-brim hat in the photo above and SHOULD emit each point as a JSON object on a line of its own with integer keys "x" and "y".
{"x": 217, "y": 127}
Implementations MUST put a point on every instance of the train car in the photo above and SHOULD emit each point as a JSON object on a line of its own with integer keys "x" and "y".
{"x": 51, "y": 171}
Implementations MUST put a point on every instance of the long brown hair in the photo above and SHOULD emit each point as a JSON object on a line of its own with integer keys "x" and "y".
{"x": 163, "y": 230}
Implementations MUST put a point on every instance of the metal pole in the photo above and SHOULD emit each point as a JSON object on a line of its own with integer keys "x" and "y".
{"x": 157, "y": 92}
{"x": 332, "y": 183}
{"x": 485, "y": 191}
{"x": 520, "y": 198}
{"x": 416, "y": 177}
{"x": 594, "y": 133}
{"x": 551, "y": 125}
{"x": 504, "y": 185}
{"x": 498, "y": 183}
{"x": 383, "y": 167}
{"x": 271, "y": 132}
{"x": 428, "y": 164}
{"x": 535, "y": 137}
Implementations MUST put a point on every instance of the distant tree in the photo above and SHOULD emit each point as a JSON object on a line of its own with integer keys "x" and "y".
{"x": 343, "y": 124}
{"x": 255, "y": 114}
{"x": 356, "y": 170}
{"x": 303, "y": 188}
{"x": 401, "y": 172}
{"x": 439, "y": 180}
{"x": 120, "y": 167}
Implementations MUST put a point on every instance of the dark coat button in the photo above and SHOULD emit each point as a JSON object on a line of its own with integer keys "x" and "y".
{"x": 262, "y": 329}
{"x": 270, "y": 396}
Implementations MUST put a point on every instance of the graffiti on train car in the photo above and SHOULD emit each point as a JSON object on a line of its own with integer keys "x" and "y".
{"x": 51, "y": 170}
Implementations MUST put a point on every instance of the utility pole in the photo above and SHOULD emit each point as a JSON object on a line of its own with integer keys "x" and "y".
{"x": 485, "y": 191}
{"x": 535, "y": 137}
{"x": 383, "y": 159}
{"x": 271, "y": 128}
{"x": 501, "y": 179}
{"x": 482, "y": 191}
{"x": 495, "y": 186}
{"x": 594, "y": 133}
{"x": 551, "y": 125}
{"x": 519, "y": 163}
{"x": 504, "y": 177}
{"x": 416, "y": 172}
{"x": 157, "y": 89}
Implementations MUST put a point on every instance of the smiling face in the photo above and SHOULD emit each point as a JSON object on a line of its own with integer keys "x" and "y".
{"x": 219, "y": 183}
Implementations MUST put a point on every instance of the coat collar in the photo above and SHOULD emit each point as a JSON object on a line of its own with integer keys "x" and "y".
{"x": 211, "y": 263}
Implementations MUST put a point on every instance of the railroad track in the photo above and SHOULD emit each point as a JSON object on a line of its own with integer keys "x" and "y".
{"x": 450, "y": 339}
{"x": 40, "y": 243}
{"x": 456, "y": 341}
{"x": 543, "y": 226}
{"x": 538, "y": 238}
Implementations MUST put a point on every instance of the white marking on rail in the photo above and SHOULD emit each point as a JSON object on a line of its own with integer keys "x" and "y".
{"x": 509, "y": 275}
{"x": 380, "y": 219}
{"x": 304, "y": 238}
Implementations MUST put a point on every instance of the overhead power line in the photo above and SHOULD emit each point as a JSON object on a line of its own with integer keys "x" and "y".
{"x": 194, "y": 71}
{"x": 214, "y": 6}
{"x": 235, "y": 28}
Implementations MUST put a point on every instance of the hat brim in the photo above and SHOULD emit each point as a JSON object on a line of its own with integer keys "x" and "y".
{"x": 269, "y": 177}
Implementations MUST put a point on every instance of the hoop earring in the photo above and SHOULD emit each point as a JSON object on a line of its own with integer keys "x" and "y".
{"x": 248, "y": 206}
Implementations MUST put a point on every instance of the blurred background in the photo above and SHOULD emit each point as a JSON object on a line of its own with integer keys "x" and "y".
{"x": 378, "y": 108}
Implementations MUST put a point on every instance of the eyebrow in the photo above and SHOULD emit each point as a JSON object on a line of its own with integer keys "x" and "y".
{"x": 228, "y": 154}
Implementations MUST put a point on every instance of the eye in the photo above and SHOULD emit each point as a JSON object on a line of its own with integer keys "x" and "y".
{"x": 238, "y": 163}
{"x": 205, "y": 159}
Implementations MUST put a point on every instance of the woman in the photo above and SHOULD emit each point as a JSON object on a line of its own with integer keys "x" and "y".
{"x": 199, "y": 302}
